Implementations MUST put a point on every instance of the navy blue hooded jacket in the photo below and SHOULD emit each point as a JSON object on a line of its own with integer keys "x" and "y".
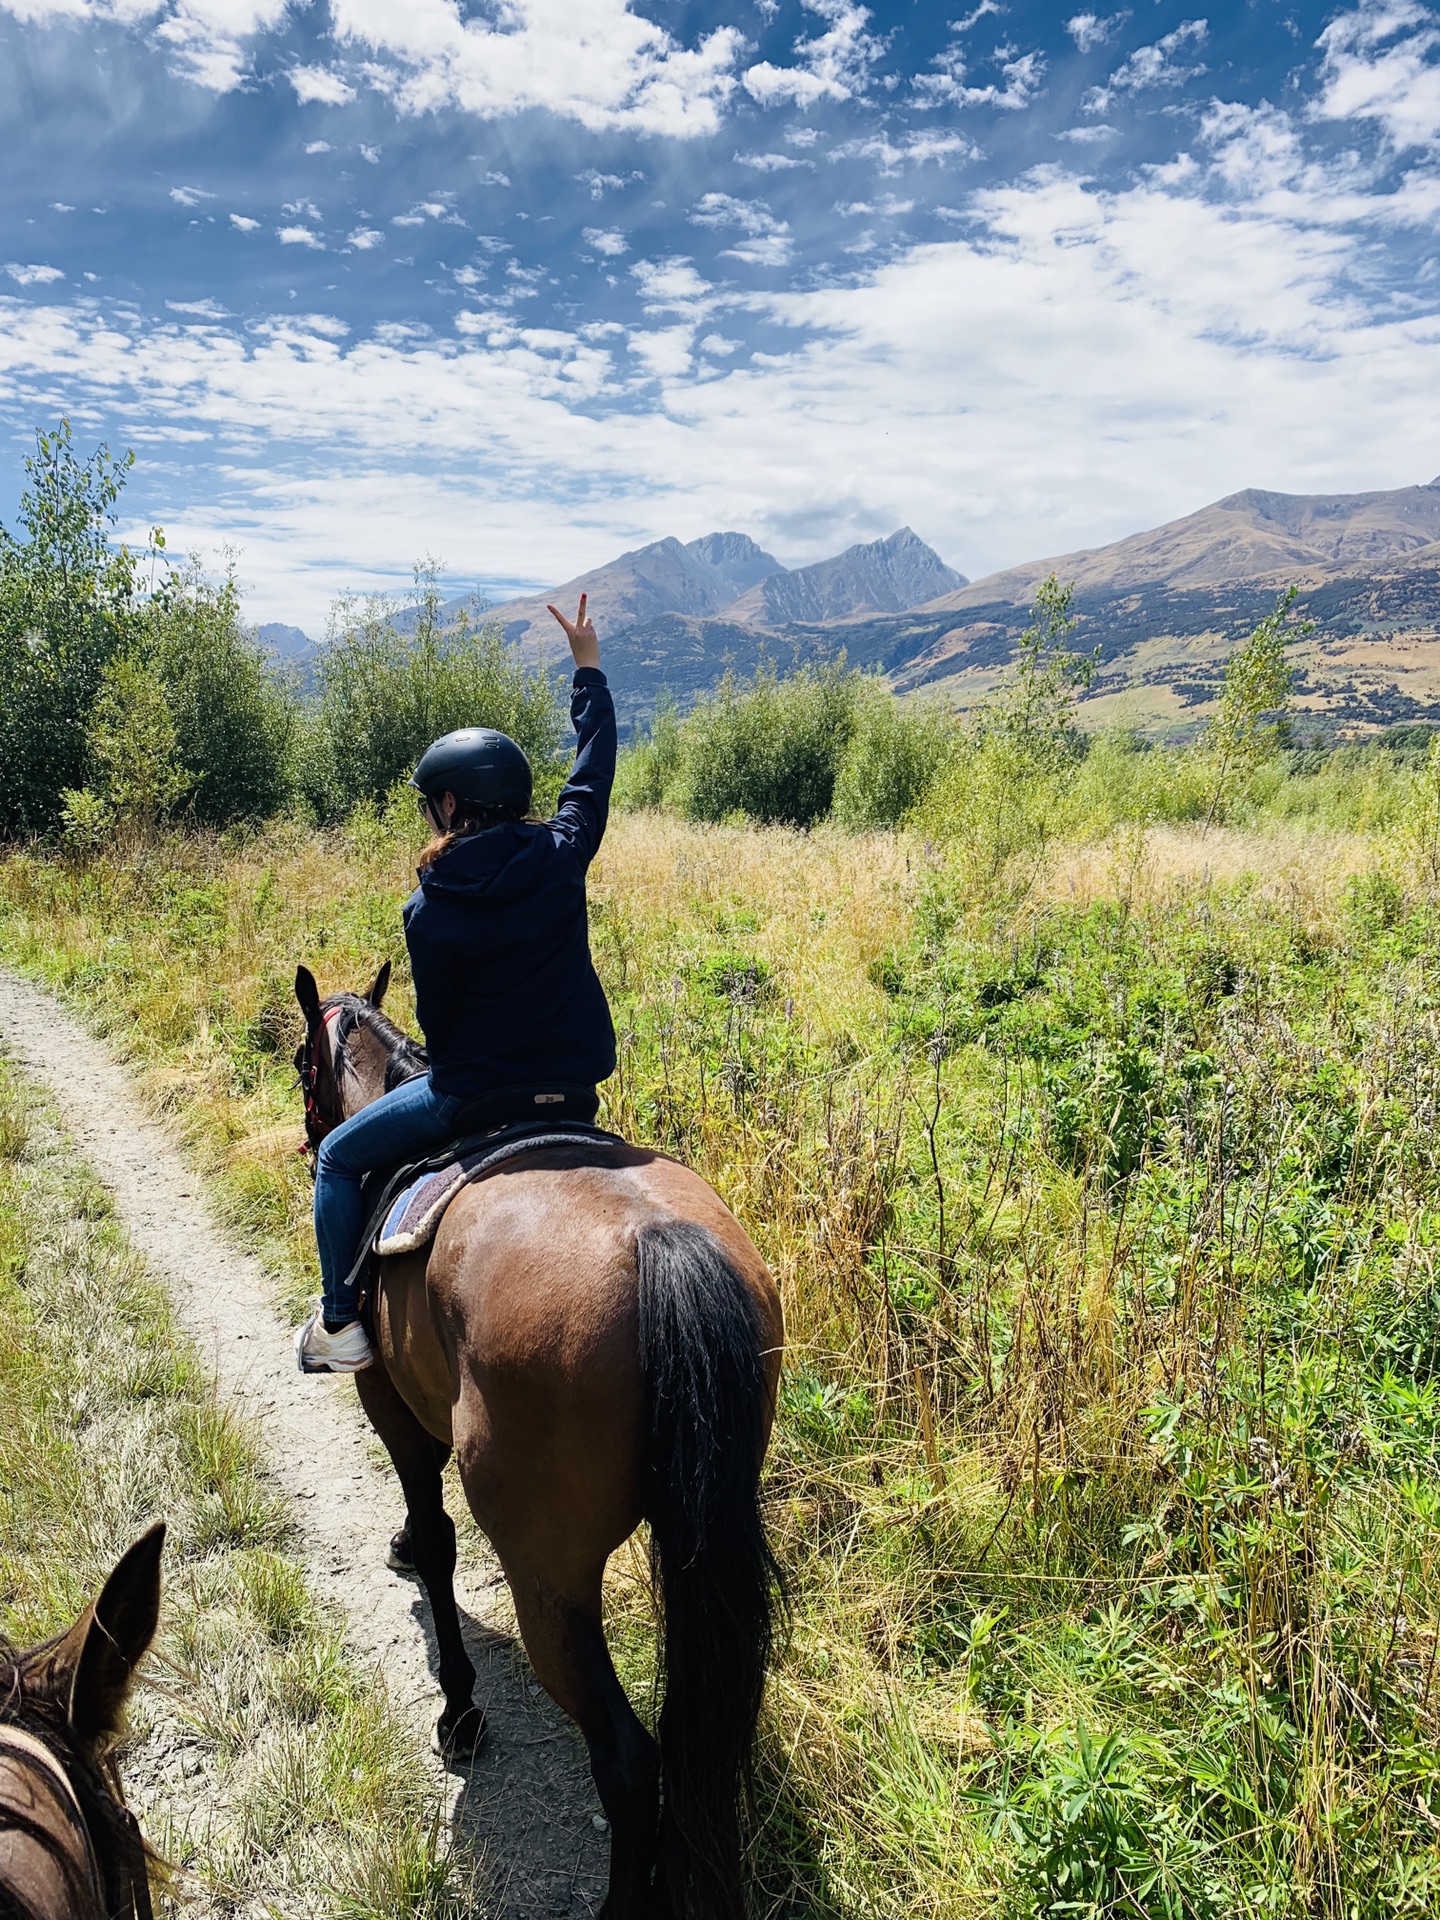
{"x": 505, "y": 990}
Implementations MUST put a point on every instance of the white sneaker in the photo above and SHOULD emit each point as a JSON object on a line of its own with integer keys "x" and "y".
{"x": 317, "y": 1351}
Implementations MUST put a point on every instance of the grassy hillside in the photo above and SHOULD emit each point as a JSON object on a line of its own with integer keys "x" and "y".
{"x": 1103, "y": 1197}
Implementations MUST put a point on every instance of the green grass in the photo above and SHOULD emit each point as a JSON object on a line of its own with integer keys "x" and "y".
{"x": 267, "y": 1772}
{"x": 1105, "y": 1208}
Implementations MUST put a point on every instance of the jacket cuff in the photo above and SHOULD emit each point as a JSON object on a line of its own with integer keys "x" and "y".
{"x": 590, "y": 677}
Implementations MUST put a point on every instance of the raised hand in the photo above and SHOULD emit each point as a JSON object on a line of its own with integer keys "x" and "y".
{"x": 580, "y": 632}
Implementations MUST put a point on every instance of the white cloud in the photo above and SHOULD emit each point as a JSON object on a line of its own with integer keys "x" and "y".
{"x": 199, "y": 309}
{"x": 306, "y": 209}
{"x": 602, "y": 183}
{"x": 1152, "y": 66}
{"x": 1396, "y": 86}
{"x": 606, "y": 240}
{"x": 363, "y": 239}
{"x": 370, "y": 154}
{"x": 1022, "y": 73}
{"x": 912, "y": 149}
{"x": 60, "y": 206}
{"x": 771, "y": 162}
{"x": 317, "y": 146}
{"x": 298, "y": 237}
{"x": 886, "y": 207}
{"x": 834, "y": 65}
{"x": 591, "y": 60}
{"x": 244, "y": 223}
{"x": 189, "y": 196}
{"x": 320, "y": 84}
{"x": 1089, "y": 30}
{"x": 767, "y": 241}
{"x": 32, "y": 275}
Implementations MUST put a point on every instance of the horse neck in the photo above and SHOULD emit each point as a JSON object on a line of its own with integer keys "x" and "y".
{"x": 374, "y": 1063}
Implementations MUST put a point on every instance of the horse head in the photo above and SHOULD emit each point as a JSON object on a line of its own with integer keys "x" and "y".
{"x": 350, "y": 1055}
{"x": 69, "y": 1847}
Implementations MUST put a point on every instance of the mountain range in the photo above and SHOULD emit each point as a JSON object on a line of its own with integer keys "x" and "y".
{"x": 1163, "y": 607}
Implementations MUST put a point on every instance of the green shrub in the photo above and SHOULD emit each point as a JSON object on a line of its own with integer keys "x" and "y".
{"x": 234, "y": 720}
{"x": 768, "y": 748}
{"x": 894, "y": 755}
{"x": 649, "y": 767}
{"x": 386, "y": 694}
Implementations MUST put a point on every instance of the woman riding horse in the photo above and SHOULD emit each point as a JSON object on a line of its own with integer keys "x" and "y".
{"x": 505, "y": 991}
{"x": 590, "y": 1329}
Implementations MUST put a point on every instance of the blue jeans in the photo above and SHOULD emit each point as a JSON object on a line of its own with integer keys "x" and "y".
{"x": 406, "y": 1124}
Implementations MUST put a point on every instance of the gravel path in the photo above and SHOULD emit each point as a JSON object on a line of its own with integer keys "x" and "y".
{"x": 529, "y": 1804}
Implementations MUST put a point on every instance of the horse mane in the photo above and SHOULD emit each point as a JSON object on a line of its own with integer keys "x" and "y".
{"x": 405, "y": 1059}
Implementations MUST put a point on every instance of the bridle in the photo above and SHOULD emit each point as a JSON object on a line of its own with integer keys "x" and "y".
{"x": 307, "y": 1065}
{"x": 130, "y": 1877}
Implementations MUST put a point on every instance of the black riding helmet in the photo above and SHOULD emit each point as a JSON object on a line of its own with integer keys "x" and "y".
{"x": 476, "y": 764}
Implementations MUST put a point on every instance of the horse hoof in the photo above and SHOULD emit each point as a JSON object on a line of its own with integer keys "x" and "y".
{"x": 400, "y": 1558}
{"x": 459, "y": 1741}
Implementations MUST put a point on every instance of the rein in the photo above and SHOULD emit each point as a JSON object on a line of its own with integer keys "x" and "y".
{"x": 316, "y": 1126}
{"x": 340, "y": 1022}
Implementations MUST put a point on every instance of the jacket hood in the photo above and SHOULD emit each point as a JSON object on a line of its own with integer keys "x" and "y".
{"x": 500, "y": 865}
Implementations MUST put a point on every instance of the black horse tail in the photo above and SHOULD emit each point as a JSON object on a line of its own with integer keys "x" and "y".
{"x": 717, "y": 1582}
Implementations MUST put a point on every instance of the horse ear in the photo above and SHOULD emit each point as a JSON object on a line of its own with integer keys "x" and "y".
{"x": 382, "y": 981}
{"x": 116, "y": 1631}
{"x": 308, "y": 994}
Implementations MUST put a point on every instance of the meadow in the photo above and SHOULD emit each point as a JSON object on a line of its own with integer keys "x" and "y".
{"x": 1104, "y": 1209}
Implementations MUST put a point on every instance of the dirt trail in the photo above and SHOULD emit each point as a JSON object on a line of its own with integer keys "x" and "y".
{"x": 529, "y": 1802}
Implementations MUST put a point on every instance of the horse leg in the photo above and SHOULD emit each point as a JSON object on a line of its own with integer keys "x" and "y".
{"x": 401, "y": 1555}
{"x": 566, "y": 1644}
{"x": 418, "y": 1459}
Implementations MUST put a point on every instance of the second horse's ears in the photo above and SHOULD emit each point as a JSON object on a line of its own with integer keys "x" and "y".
{"x": 378, "y": 986}
{"x": 308, "y": 994}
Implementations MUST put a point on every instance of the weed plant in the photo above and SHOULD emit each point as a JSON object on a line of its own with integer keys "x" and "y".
{"x": 1104, "y": 1205}
{"x": 265, "y": 1771}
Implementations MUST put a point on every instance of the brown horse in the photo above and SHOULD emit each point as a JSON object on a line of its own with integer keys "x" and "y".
{"x": 69, "y": 1849}
{"x": 597, "y": 1339}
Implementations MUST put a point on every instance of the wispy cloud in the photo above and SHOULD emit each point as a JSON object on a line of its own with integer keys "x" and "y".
{"x": 606, "y": 240}
{"x": 1091, "y": 30}
{"x": 1381, "y": 65}
{"x": 767, "y": 242}
{"x": 244, "y": 223}
{"x": 1021, "y": 73}
{"x": 1157, "y": 65}
{"x": 834, "y": 65}
{"x": 31, "y": 275}
{"x": 321, "y": 84}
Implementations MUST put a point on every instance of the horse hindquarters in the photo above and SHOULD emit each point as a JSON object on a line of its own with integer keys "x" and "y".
{"x": 709, "y": 1405}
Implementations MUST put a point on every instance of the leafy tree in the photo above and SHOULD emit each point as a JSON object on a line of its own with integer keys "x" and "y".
{"x": 67, "y": 609}
{"x": 387, "y": 693}
{"x": 650, "y": 766}
{"x": 1248, "y": 725}
{"x": 1034, "y": 706}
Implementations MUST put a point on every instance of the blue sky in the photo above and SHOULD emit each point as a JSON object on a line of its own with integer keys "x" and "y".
{"x": 521, "y": 284}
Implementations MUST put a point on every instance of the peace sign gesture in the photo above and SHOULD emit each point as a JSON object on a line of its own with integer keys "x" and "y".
{"x": 580, "y": 632}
